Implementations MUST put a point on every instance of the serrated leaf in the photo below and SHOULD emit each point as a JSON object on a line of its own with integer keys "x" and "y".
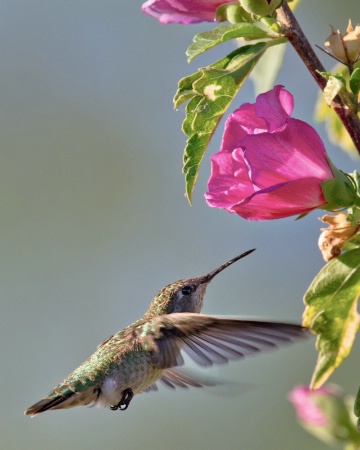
{"x": 213, "y": 88}
{"x": 331, "y": 312}
{"x": 185, "y": 89}
{"x": 355, "y": 82}
{"x": 208, "y": 39}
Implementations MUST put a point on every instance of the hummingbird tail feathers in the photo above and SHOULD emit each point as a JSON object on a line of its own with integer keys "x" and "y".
{"x": 48, "y": 403}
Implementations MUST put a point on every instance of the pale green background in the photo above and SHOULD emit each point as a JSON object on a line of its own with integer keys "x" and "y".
{"x": 94, "y": 222}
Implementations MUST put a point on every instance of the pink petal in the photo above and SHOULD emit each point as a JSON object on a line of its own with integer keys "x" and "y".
{"x": 239, "y": 124}
{"x": 304, "y": 401}
{"x": 275, "y": 107}
{"x": 269, "y": 113}
{"x": 182, "y": 11}
{"x": 295, "y": 152}
{"x": 292, "y": 198}
{"x": 229, "y": 181}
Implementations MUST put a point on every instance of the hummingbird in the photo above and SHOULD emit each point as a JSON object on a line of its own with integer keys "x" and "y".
{"x": 151, "y": 349}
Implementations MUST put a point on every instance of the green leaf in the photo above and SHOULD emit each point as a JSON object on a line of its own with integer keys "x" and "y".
{"x": 340, "y": 192}
{"x": 352, "y": 243}
{"x": 338, "y": 75}
{"x": 355, "y": 82}
{"x": 210, "y": 92}
{"x": 185, "y": 90}
{"x": 331, "y": 312}
{"x": 357, "y": 404}
{"x": 209, "y": 39}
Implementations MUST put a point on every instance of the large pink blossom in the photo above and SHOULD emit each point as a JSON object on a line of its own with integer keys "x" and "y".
{"x": 270, "y": 165}
{"x": 183, "y": 11}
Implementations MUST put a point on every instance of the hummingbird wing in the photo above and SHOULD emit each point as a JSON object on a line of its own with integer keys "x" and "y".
{"x": 174, "y": 378}
{"x": 209, "y": 340}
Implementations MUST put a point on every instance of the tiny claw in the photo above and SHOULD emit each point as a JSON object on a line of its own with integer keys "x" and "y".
{"x": 125, "y": 400}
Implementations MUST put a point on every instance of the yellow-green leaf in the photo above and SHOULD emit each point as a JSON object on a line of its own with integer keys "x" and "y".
{"x": 208, "y": 39}
{"x": 331, "y": 312}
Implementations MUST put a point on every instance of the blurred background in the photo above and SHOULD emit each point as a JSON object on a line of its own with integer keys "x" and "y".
{"x": 94, "y": 222}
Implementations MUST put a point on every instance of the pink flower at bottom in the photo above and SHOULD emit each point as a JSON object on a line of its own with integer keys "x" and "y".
{"x": 270, "y": 165}
{"x": 183, "y": 12}
{"x": 302, "y": 397}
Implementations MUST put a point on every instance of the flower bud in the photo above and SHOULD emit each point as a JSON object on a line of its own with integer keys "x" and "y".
{"x": 233, "y": 13}
{"x": 260, "y": 7}
{"x": 340, "y": 192}
{"x": 345, "y": 47}
{"x": 326, "y": 414}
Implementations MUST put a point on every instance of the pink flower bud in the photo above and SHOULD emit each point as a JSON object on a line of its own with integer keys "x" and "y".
{"x": 304, "y": 401}
{"x": 183, "y": 11}
{"x": 327, "y": 414}
{"x": 270, "y": 165}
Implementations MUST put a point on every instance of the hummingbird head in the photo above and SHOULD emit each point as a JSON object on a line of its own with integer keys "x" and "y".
{"x": 186, "y": 295}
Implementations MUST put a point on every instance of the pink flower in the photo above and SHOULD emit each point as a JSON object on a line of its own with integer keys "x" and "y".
{"x": 183, "y": 11}
{"x": 270, "y": 165}
{"x": 306, "y": 408}
{"x": 327, "y": 414}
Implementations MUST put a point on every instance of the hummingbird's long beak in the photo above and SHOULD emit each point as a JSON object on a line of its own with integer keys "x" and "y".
{"x": 207, "y": 278}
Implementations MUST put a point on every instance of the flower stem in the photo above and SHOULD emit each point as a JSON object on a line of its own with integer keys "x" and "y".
{"x": 343, "y": 108}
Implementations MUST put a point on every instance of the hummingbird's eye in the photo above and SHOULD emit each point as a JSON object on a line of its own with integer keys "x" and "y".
{"x": 187, "y": 290}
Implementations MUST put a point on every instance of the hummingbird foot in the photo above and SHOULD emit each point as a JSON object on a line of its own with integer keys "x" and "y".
{"x": 125, "y": 400}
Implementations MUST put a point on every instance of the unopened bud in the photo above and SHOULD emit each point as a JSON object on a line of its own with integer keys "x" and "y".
{"x": 260, "y": 7}
{"x": 327, "y": 414}
{"x": 345, "y": 47}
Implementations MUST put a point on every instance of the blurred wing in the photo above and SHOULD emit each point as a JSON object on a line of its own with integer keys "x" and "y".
{"x": 209, "y": 340}
{"x": 174, "y": 379}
